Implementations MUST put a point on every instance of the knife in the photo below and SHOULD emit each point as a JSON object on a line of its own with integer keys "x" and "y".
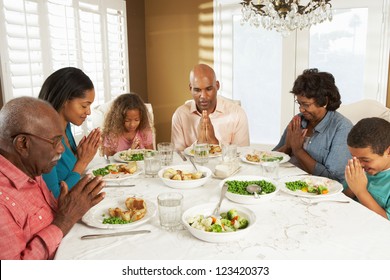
{"x": 111, "y": 186}
{"x": 181, "y": 155}
{"x": 93, "y": 236}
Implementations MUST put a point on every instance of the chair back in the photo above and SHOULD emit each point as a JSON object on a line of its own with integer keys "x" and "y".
{"x": 366, "y": 108}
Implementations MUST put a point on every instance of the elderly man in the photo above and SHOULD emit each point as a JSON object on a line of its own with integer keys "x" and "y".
{"x": 208, "y": 118}
{"x": 32, "y": 222}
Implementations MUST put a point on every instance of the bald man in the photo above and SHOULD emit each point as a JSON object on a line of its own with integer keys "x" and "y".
{"x": 208, "y": 118}
{"x": 33, "y": 222}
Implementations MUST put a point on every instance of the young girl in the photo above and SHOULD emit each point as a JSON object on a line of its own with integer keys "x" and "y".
{"x": 126, "y": 125}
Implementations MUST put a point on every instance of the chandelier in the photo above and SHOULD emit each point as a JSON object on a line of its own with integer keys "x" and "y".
{"x": 285, "y": 15}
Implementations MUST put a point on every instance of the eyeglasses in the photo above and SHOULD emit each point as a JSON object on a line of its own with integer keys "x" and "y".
{"x": 55, "y": 141}
{"x": 304, "y": 105}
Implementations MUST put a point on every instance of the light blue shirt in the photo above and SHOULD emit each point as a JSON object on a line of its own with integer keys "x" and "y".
{"x": 63, "y": 170}
{"x": 327, "y": 145}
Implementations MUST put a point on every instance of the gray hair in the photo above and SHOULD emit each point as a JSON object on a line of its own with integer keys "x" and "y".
{"x": 20, "y": 113}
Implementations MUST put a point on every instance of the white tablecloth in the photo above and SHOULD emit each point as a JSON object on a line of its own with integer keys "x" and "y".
{"x": 286, "y": 228}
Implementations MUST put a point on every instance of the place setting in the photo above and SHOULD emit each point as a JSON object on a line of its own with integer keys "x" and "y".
{"x": 119, "y": 213}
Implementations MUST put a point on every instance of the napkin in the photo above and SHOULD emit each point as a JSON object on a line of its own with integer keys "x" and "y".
{"x": 225, "y": 169}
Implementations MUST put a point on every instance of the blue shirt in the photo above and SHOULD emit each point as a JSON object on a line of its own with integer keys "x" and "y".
{"x": 379, "y": 188}
{"x": 63, "y": 170}
{"x": 327, "y": 145}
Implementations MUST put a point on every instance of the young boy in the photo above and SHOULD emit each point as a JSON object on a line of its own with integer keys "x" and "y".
{"x": 368, "y": 173}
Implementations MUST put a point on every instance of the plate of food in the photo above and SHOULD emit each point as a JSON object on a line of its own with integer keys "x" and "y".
{"x": 257, "y": 157}
{"x": 238, "y": 193}
{"x": 116, "y": 171}
{"x": 310, "y": 186}
{"x": 214, "y": 151}
{"x": 120, "y": 213}
{"x": 131, "y": 155}
{"x": 233, "y": 224}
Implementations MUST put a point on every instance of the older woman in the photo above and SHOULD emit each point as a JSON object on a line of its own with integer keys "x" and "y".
{"x": 71, "y": 92}
{"x": 316, "y": 138}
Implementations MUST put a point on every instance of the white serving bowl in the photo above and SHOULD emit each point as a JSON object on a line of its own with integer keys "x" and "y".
{"x": 249, "y": 199}
{"x": 185, "y": 184}
{"x": 218, "y": 237}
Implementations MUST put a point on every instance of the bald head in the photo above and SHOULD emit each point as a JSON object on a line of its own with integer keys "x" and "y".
{"x": 204, "y": 87}
{"x": 202, "y": 70}
{"x": 26, "y": 114}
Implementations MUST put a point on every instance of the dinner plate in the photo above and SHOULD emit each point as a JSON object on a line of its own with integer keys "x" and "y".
{"x": 190, "y": 152}
{"x": 286, "y": 157}
{"x": 333, "y": 186}
{"x": 116, "y": 177}
{"x": 249, "y": 199}
{"x": 117, "y": 156}
{"x": 95, "y": 216}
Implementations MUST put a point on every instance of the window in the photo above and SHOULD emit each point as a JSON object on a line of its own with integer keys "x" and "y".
{"x": 259, "y": 66}
{"x": 42, "y": 36}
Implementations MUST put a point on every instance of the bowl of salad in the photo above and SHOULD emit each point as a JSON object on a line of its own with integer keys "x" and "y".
{"x": 233, "y": 223}
{"x": 238, "y": 193}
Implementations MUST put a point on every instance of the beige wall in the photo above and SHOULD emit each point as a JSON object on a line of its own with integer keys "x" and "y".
{"x": 135, "y": 14}
{"x": 179, "y": 34}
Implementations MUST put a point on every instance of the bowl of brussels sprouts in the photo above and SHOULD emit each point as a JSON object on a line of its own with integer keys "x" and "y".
{"x": 233, "y": 223}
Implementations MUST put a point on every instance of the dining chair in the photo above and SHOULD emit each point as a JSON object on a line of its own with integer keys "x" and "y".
{"x": 366, "y": 108}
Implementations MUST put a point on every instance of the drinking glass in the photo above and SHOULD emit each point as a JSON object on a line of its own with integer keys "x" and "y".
{"x": 170, "y": 210}
{"x": 166, "y": 152}
{"x": 201, "y": 153}
{"x": 270, "y": 169}
{"x": 152, "y": 163}
{"x": 229, "y": 153}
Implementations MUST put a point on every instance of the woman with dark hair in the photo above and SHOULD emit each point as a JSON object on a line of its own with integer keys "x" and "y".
{"x": 71, "y": 92}
{"x": 316, "y": 138}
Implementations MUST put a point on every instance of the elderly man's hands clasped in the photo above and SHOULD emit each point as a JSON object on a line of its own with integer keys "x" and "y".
{"x": 73, "y": 204}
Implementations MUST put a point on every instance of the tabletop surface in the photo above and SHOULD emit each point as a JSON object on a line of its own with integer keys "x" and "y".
{"x": 287, "y": 227}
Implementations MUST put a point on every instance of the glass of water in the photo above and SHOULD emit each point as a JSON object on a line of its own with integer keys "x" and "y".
{"x": 270, "y": 169}
{"x": 170, "y": 210}
{"x": 166, "y": 152}
{"x": 201, "y": 153}
{"x": 152, "y": 163}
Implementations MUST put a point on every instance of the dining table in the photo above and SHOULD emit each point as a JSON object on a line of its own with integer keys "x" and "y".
{"x": 287, "y": 227}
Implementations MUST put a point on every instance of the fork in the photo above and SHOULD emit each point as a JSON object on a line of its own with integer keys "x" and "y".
{"x": 223, "y": 192}
{"x": 324, "y": 200}
{"x": 193, "y": 163}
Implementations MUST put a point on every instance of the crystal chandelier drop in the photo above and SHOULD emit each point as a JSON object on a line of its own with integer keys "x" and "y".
{"x": 285, "y": 15}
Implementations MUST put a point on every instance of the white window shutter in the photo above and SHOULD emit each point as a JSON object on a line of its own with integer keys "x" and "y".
{"x": 21, "y": 58}
{"x": 42, "y": 36}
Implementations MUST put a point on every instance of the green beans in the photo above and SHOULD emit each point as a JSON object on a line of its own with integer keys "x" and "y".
{"x": 239, "y": 187}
